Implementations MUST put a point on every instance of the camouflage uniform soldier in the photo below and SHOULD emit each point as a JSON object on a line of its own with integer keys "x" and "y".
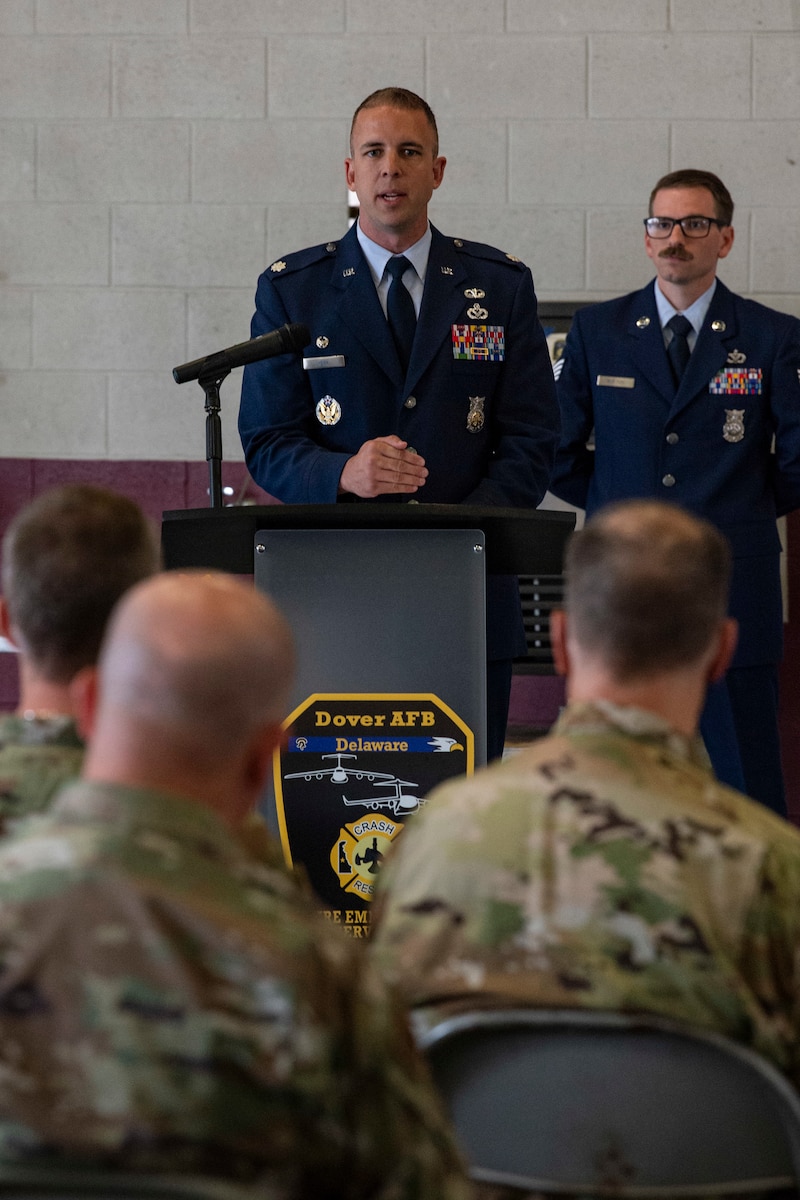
{"x": 170, "y": 1003}
{"x": 604, "y": 867}
{"x": 67, "y": 558}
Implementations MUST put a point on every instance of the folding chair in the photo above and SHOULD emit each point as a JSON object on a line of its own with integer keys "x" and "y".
{"x": 600, "y": 1104}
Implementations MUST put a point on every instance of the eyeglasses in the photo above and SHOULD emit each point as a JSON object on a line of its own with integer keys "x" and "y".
{"x": 692, "y": 227}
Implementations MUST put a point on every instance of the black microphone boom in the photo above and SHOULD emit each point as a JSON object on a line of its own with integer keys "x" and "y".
{"x": 286, "y": 340}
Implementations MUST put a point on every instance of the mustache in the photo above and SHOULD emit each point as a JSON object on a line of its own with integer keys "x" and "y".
{"x": 675, "y": 252}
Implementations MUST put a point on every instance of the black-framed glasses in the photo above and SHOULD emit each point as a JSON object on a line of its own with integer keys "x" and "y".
{"x": 692, "y": 227}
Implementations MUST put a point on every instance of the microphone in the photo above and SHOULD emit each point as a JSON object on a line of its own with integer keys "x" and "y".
{"x": 286, "y": 340}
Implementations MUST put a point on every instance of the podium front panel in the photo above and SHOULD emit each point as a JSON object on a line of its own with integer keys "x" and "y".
{"x": 390, "y": 634}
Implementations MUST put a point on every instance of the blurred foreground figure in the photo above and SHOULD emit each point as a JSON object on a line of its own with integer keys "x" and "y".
{"x": 168, "y": 1002}
{"x": 605, "y": 867}
{"x": 68, "y": 556}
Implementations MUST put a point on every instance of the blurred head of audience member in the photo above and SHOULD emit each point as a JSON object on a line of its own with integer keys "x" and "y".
{"x": 67, "y": 558}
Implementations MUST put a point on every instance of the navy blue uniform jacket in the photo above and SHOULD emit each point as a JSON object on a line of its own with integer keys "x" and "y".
{"x": 708, "y": 447}
{"x": 505, "y": 459}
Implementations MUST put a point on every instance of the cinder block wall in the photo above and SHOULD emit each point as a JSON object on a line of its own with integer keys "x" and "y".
{"x": 156, "y": 154}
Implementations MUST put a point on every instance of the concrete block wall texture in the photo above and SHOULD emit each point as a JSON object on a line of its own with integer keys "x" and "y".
{"x": 155, "y": 155}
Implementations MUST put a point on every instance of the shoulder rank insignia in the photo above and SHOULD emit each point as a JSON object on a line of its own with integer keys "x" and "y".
{"x": 514, "y": 257}
{"x": 280, "y": 265}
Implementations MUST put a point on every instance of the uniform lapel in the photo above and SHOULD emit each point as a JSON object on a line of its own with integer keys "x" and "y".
{"x": 646, "y": 342}
{"x": 442, "y": 305}
{"x": 714, "y": 342}
{"x": 359, "y": 306}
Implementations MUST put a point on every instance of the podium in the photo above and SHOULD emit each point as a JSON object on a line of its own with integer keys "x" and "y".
{"x": 387, "y": 606}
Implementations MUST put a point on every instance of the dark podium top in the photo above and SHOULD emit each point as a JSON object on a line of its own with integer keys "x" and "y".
{"x": 519, "y": 541}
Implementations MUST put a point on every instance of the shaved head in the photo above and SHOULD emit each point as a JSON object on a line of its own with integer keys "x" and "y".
{"x": 193, "y": 667}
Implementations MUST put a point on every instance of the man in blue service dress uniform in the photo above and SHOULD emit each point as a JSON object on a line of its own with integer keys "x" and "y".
{"x": 694, "y": 396}
{"x": 427, "y": 377}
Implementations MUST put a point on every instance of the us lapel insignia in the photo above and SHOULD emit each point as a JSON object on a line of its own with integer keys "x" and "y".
{"x": 475, "y": 417}
{"x": 329, "y": 411}
{"x": 737, "y": 356}
{"x": 447, "y": 270}
{"x": 733, "y": 429}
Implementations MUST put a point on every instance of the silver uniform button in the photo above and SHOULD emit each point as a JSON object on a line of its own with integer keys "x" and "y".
{"x": 411, "y": 402}
{"x": 672, "y": 439}
{"x": 668, "y": 481}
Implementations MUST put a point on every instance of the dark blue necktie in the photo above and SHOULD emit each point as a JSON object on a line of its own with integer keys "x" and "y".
{"x": 400, "y": 309}
{"x": 678, "y": 350}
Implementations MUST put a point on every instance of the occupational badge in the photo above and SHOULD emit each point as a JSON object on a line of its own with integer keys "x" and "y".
{"x": 733, "y": 429}
{"x": 348, "y": 271}
{"x": 476, "y": 313}
{"x": 329, "y": 411}
{"x": 280, "y": 265}
{"x": 737, "y": 357}
{"x": 475, "y": 417}
{"x": 475, "y": 293}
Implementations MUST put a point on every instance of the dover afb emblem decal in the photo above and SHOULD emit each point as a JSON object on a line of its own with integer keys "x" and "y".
{"x": 354, "y": 770}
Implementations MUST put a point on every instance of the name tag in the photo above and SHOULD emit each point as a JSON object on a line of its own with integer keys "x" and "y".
{"x": 619, "y": 381}
{"x": 316, "y": 364}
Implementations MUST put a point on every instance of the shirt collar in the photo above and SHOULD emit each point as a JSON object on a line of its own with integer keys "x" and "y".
{"x": 597, "y": 716}
{"x": 695, "y": 313}
{"x": 378, "y": 256}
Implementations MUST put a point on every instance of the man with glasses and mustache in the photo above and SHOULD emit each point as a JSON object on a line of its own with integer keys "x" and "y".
{"x": 693, "y": 395}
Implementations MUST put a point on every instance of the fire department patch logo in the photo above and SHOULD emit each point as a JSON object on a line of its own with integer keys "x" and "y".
{"x": 359, "y": 850}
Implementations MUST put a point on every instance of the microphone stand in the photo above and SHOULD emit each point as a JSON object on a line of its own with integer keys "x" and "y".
{"x": 209, "y": 381}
